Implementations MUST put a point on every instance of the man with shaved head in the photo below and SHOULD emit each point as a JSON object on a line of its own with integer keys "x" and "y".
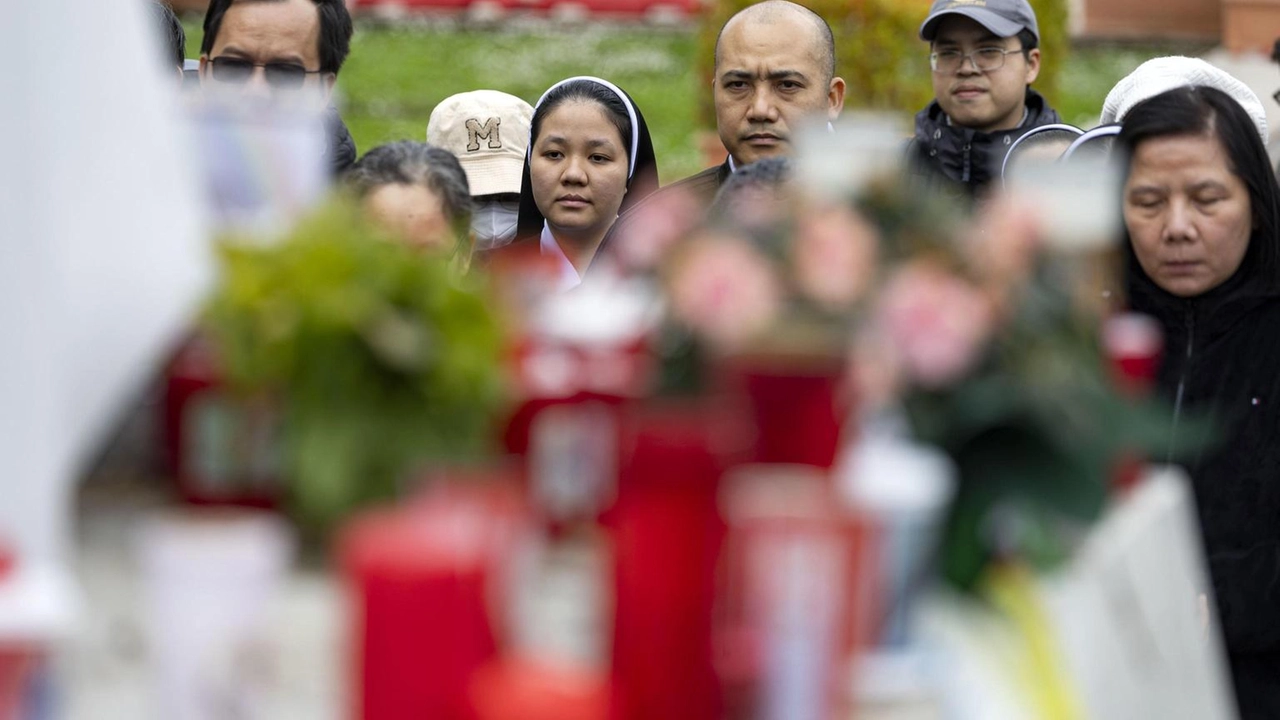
{"x": 774, "y": 67}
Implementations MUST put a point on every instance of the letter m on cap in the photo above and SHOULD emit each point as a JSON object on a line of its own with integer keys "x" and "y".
{"x": 488, "y": 131}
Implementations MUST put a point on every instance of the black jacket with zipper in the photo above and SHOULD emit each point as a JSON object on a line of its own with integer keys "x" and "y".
{"x": 1222, "y": 361}
{"x": 961, "y": 161}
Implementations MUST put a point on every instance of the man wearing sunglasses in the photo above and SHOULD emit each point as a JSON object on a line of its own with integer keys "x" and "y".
{"x": 984, "y": 56}
{"x": 281, "y": 50}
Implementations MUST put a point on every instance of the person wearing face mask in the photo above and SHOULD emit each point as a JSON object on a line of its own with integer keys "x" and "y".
{"x": 488, "y": 131}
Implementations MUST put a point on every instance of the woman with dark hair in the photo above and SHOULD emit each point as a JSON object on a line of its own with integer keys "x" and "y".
{"x": 1202, "y": 213}
{"x": 590, "y": 158}
{"x": 418, "y": 192}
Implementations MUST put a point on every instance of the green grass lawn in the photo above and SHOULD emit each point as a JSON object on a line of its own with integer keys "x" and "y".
{"x": 395, "y": 75}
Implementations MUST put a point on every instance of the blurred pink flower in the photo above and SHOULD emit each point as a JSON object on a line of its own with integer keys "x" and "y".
{"x": 835, "y": 255}
{"x": 724, "y": 290}
{"x": 935, "y": 322}
{"x": 875, "y": 372}
{"x": 658, "y": 225}
{"x": 1001, "y": 245}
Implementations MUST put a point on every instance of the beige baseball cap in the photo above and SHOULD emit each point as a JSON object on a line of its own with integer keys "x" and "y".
{"x": 488, "y": 131}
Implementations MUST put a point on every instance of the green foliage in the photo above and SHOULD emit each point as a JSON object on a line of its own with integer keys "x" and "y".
{"x": 380, "y": 357}
{"x": 1055, "y": 48}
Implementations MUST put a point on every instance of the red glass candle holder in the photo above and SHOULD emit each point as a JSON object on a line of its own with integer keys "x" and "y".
{"x": 796, "y": 403}
{"x": 794, "y": 606}
{"x": 1134, "y": 344}
{"x": 421, "y": 620}
{"x": 524, "y": 689}
{"x": 221, "y": 448}
{"x": 17, "y": 664}
{"x": 667, "y": 535}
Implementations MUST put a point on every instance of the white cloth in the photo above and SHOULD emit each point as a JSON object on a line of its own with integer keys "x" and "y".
{"x": 1162, "y": 74}
{"x": 103, "y": 256}
{"x": 569, "y": 277}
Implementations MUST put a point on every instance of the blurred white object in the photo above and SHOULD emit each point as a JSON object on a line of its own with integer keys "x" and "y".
{"x": 904, "y": 488}
{"x": 1079, "y": 201}
{"x": 1125, "y": 614}
{"x": 262, "y": 163}
{"x": 208, "y": 579}
{"x": 103, "y": 256}
{"x": 1128, "y": 614}
{"x": 835, "y": 162}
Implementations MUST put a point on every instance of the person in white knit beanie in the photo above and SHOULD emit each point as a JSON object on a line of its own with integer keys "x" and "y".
{"x": 1161, "y": 74}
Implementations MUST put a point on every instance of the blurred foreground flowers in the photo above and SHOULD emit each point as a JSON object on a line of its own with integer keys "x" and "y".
{"x": 376, "y": 356}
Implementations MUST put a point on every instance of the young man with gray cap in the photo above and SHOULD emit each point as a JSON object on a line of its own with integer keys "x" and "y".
{"x": 488, "y": 131}
{"x": 984, "y": 56}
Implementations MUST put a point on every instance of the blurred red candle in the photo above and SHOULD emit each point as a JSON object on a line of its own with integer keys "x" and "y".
{"x": 793, "y": 606}
{"x": 667, "y": 535}
{"x": 525, "y": 689}
{"x": 418, "y": 581}
{"x": 1134, "y": 344}
{"x": 795, "y": 404}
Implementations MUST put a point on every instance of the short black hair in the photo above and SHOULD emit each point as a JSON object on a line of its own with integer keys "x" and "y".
{"x": 1198, "y": 110}
{"x": 169, "y": 29}
{"x": 769, "y": 7}
{"x": 416, "y": 163}
{"x": 763, "y": 181}
{"x": 1028, "y": 41}
{"x": 335, "y": 30}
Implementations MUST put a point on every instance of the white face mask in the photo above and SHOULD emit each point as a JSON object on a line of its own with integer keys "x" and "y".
{"x": 493, "y": 221}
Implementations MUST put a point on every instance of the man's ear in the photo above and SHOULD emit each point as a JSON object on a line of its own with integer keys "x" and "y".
{"x": 328, "y": 81}
{"x": 203, "y": 73}
{"x": 1033, "y": 65}
{"x": 835, "y": 98}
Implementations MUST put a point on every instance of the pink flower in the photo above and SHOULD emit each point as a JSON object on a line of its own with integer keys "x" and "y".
{"x": 1002, "y": 244}
{"x": 724, "y": 290}
{"x": 835, "y": 255}
{"x": 657, "y": 226}
{"x": 936, "y": 323}
{"x": 875, "y": 371}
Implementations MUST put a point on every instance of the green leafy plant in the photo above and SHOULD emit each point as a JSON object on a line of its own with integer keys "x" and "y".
{"x": 378, "y": 357}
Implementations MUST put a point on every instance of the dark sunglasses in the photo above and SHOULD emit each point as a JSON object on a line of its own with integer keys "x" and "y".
{"x": 279, "y": 75}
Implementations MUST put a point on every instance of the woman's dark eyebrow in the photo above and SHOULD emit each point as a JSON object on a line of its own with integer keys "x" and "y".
{"x": 1207, "y": 185}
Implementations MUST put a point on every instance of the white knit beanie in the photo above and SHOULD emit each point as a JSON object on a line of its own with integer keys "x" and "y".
{"x": 1167, "y": 73}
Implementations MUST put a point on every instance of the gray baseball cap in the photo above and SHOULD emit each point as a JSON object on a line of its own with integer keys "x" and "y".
{"x": 1005, "y": 18}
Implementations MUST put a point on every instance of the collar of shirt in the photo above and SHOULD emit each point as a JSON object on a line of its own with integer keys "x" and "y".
{"x": 569, "y": 277}
{"x": 733, "y": 166}
{"x": 1023, "y": 121}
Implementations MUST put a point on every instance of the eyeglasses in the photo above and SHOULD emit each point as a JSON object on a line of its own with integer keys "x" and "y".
{"x": 285, "y": 76}
{"x": 984, "y": 59}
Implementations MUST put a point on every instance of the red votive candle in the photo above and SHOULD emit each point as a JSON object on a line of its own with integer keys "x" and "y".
{"x": 1134, "y": 344}
{"x": 667, "y": 534}
{"x": 16, "y": 665}
{"x": 794, "y": 402}
{"x": 793, "y": 605}
{"x": 526, "y": 689}
{"x": 421, "y": 622}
